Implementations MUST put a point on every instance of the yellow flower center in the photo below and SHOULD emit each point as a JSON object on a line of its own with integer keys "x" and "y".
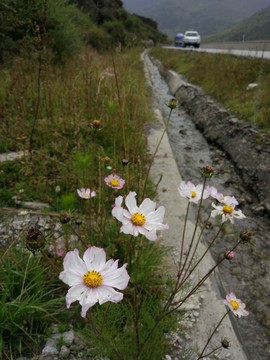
{"x": 138, "y": 219}
{"x": 85, "y": 196}
{"x": 114, "y": 182}
{"x": 193, "y": 194}
{"x": 92, "y": 279}
{"x": 234, "y": 304}
{"x": 227, "y": 209}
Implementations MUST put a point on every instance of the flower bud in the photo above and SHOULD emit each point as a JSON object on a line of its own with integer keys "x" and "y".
{"x": 172, "y": 104}
{"x": 229, "y": 255}
{"x": 207, "y": 171}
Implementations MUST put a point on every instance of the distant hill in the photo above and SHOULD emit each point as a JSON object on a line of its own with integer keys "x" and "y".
{"x": 256, "y": 27}
{"x": 207, "y": 16}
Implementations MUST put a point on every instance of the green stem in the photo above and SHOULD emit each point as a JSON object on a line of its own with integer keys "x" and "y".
{"x": 24, "y": 277}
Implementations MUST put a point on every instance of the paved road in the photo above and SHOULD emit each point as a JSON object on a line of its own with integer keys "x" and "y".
{"x": 248, "y": 49}
{"x": 248, "y": 53}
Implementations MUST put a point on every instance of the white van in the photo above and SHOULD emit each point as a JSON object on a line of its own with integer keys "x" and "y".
{"x": 192, "y": 38}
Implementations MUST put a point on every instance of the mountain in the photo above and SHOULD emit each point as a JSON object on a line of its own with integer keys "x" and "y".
{"x": 65, "y": 27}
{"x": 207, "y": 16}
{"x": 256, "y": 27}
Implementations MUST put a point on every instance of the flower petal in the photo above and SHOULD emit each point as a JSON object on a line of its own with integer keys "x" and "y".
{"x": 127, "y": 228}
{"x": 71, "y": 278}
{"x": 89, "y": 299}
{"x": 117, "y": 212}
{"x": 131, "y": 203}
{"x": 147, "y": 206}
{"x": 75, "y": 293}
{"x": 94, "y": 258}
{"x": 117, "y": 278}
{"x": 73, "y": 262}
{"x": 155, "y": 219}
{"x": 108, "y": 294}
{"x": 151, "y": 235}
{"x": 109, "y": 266}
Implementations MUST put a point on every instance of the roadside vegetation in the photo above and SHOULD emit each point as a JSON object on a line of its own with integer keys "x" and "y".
{"x": 73, "y": 100}
{"x": 226, "y": 78}
{"x": 77, "y": 123}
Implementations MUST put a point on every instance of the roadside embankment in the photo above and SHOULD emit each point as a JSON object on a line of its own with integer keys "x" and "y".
{"x": 247, "y": 147}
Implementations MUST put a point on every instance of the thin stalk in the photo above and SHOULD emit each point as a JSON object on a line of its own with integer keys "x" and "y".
{"x": 120, "y": 105}
{"x": 183, "y": 240}
{"x": 194, "y": 231}
{"x": 24, "y": 277}
{"x": 171, "y": 297}
{"x": 214, "y": 350}
{"x": 211, "y": 336}
{"x": 203, "y": 279}
{"x": 50, "y": 261}
{"x": 203, "y": 255}
{"x": 168, "y": 312}
{"x": 98, "y": 334}
{"x": 155, "y": 152}
{"x": 196, "y": 247}
{"x": 36, "y": 107}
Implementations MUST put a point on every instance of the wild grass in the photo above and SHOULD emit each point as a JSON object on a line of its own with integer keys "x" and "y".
{"x": 77, "y": 123}
{"x": 226, "y": 77}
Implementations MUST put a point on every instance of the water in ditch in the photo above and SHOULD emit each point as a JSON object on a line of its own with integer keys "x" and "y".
{"x": 248, "y": 274}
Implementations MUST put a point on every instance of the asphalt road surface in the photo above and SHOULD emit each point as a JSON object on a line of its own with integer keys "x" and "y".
{"x": 246, "y": 48}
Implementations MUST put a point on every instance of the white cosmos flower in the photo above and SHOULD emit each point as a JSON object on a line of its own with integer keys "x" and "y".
{"x": 86, "y": 193}
{"x": 235, "y": 305}
{"x": 227, "y": 210}
{"x": 144, "y": 219}
{"x": 191, "y": 191}
{"x": 92, "y": 279}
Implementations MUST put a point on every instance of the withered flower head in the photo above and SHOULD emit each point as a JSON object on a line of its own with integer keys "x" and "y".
{"x": 96, "y": 124}
{"x": 246, "y": 235}
{"x": 207, "y": 171}
{"x": 225, "y": 343}
{"x": 106, "y": 159}
{"x": 64, "y": 218}
{"x": 35, "y": 240}
{"x": 125, "y": 162}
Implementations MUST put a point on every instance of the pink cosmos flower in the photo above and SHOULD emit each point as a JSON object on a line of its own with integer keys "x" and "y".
{"x": 145, "y": 219}
{"x": 114, "y": 181}
{"x": 213, "y": 192}
{"x": 229, "y": 200}
{"x": 191, "y": 191}
{"x": 92, "y": 279}
{"x": 235, "y": 305}
{"x": 86, "y": 193}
